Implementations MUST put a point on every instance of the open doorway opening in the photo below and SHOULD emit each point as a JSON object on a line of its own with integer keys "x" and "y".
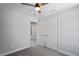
{"x": 34, "y": 33}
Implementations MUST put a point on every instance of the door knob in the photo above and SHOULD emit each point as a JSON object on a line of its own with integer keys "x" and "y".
{"x": 44, "y": 35}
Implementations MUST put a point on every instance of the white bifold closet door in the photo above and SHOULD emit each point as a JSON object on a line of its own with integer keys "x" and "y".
{"x": 50, "y": 33}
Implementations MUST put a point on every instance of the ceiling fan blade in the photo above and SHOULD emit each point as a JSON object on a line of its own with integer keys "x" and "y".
{"x": 28, "y": 4}
{"x": 42, "y": 4}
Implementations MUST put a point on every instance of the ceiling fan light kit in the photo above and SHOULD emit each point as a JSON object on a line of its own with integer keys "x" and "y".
{"x": 37, "y": 6}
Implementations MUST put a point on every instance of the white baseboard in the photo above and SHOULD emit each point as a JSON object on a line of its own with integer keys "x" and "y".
{"x": 3, "y": 54}
{"x": 66, "y": 53}
{"x": 6, "y": 53}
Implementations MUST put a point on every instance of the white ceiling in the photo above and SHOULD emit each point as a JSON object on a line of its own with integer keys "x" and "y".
{"x": 48, "y": 9}
{"x": 57, "y": 7}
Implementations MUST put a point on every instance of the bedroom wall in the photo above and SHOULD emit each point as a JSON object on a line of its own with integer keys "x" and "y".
{"x": 68, "y": 30}
{"x": 14, "y": 31}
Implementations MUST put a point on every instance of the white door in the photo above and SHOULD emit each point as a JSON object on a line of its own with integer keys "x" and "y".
{"x": 40, "y": 33}
{"x": 47, "y": 33}
{"x": 50, "y": 34}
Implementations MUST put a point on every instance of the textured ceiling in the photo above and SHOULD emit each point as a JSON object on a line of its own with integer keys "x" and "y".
{"x": 48, "y": 9}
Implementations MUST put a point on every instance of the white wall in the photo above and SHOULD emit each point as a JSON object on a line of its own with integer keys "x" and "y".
{"x": 68, "y": 30}
{"x": 14, "y": 31}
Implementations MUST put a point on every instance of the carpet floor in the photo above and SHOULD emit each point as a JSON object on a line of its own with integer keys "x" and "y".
{"x": 36, "y": 50}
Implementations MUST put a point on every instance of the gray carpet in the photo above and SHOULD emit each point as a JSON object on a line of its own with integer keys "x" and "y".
{"x": 36, "y": 50}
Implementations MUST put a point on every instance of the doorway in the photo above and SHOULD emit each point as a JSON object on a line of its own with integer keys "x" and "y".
{"x": 33, "y": 33}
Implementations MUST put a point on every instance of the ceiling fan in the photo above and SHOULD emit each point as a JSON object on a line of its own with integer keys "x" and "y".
{"x": 37, "y": 6}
